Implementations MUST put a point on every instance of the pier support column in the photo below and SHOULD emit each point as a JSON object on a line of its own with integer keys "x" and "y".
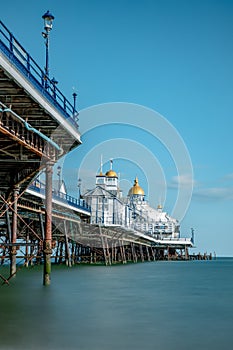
{"x": 67, "y": 256}
{"x": 148, "y": 254}
{"x": 153, "y": 253}
{"x": 108, "y": 252}
{"x": 40, "y": 242}
{"x": 14, "y": 232}
{"x": 9, "y": 231}
{"x": 141, "y": 253}
{"x": 134, "y": 255}
{"x": 26, "y": 250}
{"x": 186, "y": 253}
{"x": 60, "y": 252}
{"x": 48, "y": 224}
{"x": 123, "y": 250}
{"x": 113, "y": 253}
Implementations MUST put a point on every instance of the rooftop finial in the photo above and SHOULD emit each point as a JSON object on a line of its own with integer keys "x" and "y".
{"x": 101, "y": 164}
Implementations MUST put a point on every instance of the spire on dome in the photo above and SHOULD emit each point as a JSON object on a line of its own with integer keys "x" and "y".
{"x": 111, "y": 173}
{"x": 101, "y": 165}
{"x": 136, "y": 189}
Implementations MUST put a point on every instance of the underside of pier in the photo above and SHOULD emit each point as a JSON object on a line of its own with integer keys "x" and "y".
{"x": 37, "y": 126}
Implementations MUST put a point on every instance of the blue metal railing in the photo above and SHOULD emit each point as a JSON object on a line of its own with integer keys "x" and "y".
{"x": 64, "y": 198}
{"x": 31, "y": 70}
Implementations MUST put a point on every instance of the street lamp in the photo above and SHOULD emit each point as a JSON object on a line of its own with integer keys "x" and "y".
{"x": 48, "y": 24}
{"x": 74, "y": 96}
{"x": 79, "y": 188}
{"x": 75, "y": 113}
{"x": 59, "y": 178}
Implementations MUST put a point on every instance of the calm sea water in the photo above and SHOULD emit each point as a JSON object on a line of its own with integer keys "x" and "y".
{"x": 157, "y": 305}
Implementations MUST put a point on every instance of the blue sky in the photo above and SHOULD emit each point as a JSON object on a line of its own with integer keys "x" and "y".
{"x": 173, "y": 57}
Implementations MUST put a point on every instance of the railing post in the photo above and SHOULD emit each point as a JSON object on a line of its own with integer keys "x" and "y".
{"x": 11, "y": 42}
{"x": 28, "y": 62}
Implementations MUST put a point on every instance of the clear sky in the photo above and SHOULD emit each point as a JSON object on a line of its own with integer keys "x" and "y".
{"x": 172, "y": 57}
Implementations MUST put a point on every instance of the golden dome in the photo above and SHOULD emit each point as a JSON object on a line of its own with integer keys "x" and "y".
{"x": 111, "y": 173}
{"x": 159, "y": 206}
{"x": 136, "y": 189}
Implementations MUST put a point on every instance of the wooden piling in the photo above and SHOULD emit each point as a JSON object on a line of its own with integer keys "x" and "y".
{"x": 108, "y": 251}
{"x": 153, "y": 253}
{"x": 123, "y": 249}
{"x": 186, "y": 253}
{"x": 68, "y": 261}
{"x": 122, "y": 252}
{"x": 132, "y": 252}
{"x": 60, "y": 252}
{"x": 141, "y": 253}
{"x": 148, "y": 254}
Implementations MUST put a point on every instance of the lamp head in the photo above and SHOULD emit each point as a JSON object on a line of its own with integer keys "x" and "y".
{"x": 48, "y": 21}
{"x": 58, "y": 170}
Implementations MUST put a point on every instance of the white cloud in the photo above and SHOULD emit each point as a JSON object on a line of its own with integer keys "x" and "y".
{"x": 182, "y": 181}
{"x": 228, "y": 177}
{"x": 214, "y": 193}
{"x": 210, "y": 193}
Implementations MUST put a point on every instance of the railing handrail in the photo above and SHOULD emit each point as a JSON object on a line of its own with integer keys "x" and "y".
{"x": 27, "y": 126}
{"x": 28, "y": 66}
{"x": 62, "y": 197}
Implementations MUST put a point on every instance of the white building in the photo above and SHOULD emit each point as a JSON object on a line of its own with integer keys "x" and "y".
{"x": 109, "y": 207}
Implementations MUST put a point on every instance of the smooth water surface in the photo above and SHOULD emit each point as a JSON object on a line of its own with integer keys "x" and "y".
{"x": 157, "y": 305}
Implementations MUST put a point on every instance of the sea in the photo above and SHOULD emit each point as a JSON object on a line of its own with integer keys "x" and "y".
{"x": 161, "y": 305}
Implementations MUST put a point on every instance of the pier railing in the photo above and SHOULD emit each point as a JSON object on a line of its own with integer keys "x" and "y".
{"x": 61, "y": 197}
{"x": 23, "y": 131}
{"x": 23, "y": 61}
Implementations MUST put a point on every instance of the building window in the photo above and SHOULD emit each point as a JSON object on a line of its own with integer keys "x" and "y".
{"x": 100, "y": 181}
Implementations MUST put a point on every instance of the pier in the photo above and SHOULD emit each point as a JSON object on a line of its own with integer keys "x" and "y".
{"x": 38, "y": 224}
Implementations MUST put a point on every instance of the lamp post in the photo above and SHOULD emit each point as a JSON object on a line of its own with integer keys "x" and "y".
{"x": 192, "y": 238}
{"x": 75, "y": 113}
{"x": 59, "y": 178}
{"x": 74, "y": 97}
{"x": 79, "y": 189}
{"x": 48, "y": 24}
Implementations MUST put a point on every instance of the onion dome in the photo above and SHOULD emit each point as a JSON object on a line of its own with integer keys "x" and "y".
{"x": 111, "y": 173}
{"x": 159, "y": 206}
{"x": 136, "y": 189}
